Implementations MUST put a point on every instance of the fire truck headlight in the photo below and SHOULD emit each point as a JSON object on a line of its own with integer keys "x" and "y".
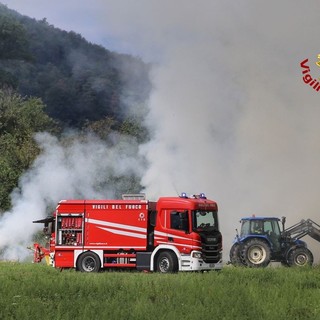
{"x": 196, "y": 255}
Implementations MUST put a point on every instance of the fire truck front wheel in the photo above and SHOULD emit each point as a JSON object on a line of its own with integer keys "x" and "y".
{"x": 167, "y": 262}
{"x": 88, "y": 262}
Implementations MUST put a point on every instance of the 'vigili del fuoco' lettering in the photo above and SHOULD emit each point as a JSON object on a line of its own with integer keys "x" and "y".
{"x": 307, "y": 78}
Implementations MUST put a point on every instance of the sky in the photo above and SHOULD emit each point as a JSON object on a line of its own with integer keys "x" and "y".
{"x": 230, "y": 113}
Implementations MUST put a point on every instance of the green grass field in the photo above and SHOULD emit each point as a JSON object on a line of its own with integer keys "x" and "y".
{"x": 36, "y": 291}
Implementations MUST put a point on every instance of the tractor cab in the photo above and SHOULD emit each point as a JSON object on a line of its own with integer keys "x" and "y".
{"x": 264, "y": 227}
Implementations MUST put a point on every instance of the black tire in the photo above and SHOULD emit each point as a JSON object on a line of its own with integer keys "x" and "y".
{"x": 88, "y": 262}
{"x": 235, "y": 255}
{"x": 256, "y": 253}
{"x": 167, "y": 262}
{"x": 300, "y": 257}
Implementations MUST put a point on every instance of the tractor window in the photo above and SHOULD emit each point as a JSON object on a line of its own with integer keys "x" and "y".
{"x": 268, "y": 226}
{"x": 260, "y": 226}
{"x": 271, "y": 227}
{"x": 275, "y": 228}
{"x": 245, "y": 228}
{"x": 257, "y": 227}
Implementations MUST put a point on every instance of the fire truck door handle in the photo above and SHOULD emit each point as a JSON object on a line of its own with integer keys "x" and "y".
{"x": 170, "y": 239}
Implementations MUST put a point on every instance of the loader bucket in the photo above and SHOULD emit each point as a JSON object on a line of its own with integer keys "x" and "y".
{"x": 313, "y": 230}
{"x": 315, "y": 234}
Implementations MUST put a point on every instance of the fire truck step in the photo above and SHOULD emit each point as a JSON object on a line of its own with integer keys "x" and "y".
{"x": 119, "y": 265}
{"x": 119, "y": 255}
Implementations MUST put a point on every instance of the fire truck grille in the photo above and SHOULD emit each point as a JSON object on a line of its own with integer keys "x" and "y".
{"x": 211, "y": 254}
{"x": 211, "y": 248}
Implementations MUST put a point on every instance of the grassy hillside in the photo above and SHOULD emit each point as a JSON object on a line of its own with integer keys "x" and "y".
{"x": 31, "y": 291}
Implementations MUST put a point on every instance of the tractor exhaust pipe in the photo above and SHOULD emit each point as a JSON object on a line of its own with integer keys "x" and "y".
{"x": 283, "y": 221}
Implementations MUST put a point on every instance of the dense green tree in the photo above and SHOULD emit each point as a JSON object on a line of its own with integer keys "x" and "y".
{"x": 13, "y": 46}
{"x": 101, "y": 128}
{"x": 20, "y": 119}
{"x": 7, "y": 80}
{"x": 13, "y": 39}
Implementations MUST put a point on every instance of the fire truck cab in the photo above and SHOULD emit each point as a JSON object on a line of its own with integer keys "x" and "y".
{"x": 169, "y": 235}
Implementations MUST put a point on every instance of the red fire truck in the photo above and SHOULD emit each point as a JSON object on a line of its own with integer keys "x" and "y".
{"x": 169, "y": 235}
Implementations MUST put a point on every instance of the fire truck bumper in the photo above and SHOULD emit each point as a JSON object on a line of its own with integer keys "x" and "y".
{"x": 194, "y": 262}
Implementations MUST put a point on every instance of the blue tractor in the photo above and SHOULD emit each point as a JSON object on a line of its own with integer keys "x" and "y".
{"x": 261, "y": 240}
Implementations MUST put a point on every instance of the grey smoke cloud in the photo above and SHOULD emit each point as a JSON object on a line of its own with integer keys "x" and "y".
{"x": 80, "y": 169}
{"x": 229, "y": 113}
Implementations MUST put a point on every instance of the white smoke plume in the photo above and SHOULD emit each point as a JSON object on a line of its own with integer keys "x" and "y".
{"x": 81, "y": 169}
{"x": 230, "y": 113}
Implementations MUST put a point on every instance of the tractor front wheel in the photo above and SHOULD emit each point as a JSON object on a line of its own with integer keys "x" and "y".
{"x": 300, "y": 257}
{"x": 256, "y": 253}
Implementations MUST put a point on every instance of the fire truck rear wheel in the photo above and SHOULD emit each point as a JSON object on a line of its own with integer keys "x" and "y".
{"x": 88, "y": 262}
{"x": 167, "y": 262}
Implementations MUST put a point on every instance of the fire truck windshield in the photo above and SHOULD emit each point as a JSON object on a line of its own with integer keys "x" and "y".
{"x": 204, "y": 220}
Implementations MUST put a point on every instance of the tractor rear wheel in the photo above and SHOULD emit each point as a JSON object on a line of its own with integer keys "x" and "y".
{"x": 256, "y": 253}
{"x": 300, "y": 257}
{"x": 235, "y": 257}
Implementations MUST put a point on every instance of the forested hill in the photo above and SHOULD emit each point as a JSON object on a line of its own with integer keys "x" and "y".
{"x": 79, "y": 82}
{"x": 52, "y": 80}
